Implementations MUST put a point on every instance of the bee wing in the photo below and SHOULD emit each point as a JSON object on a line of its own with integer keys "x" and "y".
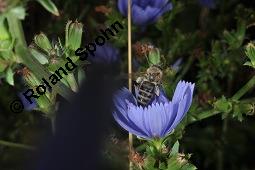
{"x": 157, "y": 90}
{"x": 132, "y": 76}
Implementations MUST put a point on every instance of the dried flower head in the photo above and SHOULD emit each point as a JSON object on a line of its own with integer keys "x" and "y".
{"x": 24, "y": 72}
{"x": 103, "y": 9}
{"x": 137, "y": 159}
{"x": 3, "y": 6}
{"x": 181, "y": 158}
{"x": 142, "y": 49}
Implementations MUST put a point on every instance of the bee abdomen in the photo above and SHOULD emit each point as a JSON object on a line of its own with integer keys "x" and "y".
{"x": 145, "y": 93}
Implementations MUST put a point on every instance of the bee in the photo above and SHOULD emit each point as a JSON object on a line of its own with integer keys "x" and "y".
{"x": 148, "y": 85}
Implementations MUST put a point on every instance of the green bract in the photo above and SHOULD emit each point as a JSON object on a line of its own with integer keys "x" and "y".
{"x": 154, "y": 57}
{"x": 73, "y": 35}
{"x": 42, "y": 41}
{"x": 250, "y": 52}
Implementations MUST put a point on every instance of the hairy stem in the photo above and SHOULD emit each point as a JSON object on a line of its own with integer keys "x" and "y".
{"x": 244, "y": 89}
{"x": 16, "y": 145}
{"x": 185, "y": 69}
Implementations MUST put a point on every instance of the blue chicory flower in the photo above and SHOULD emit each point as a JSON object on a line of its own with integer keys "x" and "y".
{"x": 105, "y": 54}
{"x": 208, "y": 3}
{"x": 145, "y": 12}
{"x": 159, "y": 118}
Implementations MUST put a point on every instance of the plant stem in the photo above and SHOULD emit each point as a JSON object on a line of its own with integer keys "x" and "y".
{"x": 16, "y": 29}
{"x": 204, "y": 115}
{"x": 244, "y": 89}
{"x": 130, "y": 136}
{"x": 16, "y": 145}
{"x": 185, "y": 69}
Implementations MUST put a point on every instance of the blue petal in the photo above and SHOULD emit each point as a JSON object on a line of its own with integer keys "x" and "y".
{"x": 162, "y": 9}
{"x": 184, "y": 88}
{"x": 136, "y": 115}
{"x": 182, "y": 100}
{"x": 159, "y": 3}
{"x": 143, "y": 16}
{"x": 158, "y": 118}
{"x": 127, "y": 125}
{"x": 26, "y": 103}
{"x": 162, "y": 98}
{"x": 105, "y": 54}
{"x": 181, "y": 112}
{"x": 208, "y": 3}
{"x": 123, "y": 5}
{"x": 143, "y": 3}
{"x": 121, "y": 98}
{"x": 176, "y": 65}
{"x": 145, "y": 11}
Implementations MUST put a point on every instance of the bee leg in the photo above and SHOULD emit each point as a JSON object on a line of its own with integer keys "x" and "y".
{"x": 139, "y": 80}
{"x": 157, "y": 91}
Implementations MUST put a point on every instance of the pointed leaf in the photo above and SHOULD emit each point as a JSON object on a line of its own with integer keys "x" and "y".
{"x": 19, "y": 12}
{"x": 9, "y": 76}
{"x": 175, "y": 148}
{"x": 49, "y": 6}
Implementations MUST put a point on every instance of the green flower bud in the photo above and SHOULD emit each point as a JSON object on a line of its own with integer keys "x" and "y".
{"x": 223, "y": 105}
{"x": 250, "y": 52}
{"x": 42, "y": 41}
{"x": 154, "y": 57}
{"x": 5, "y": 37}
{"x": 73, "y": 35}
{"x": 4, "y": 33}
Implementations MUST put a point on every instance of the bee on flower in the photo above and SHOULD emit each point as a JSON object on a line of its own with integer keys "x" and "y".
{"x": 159, "y": 118}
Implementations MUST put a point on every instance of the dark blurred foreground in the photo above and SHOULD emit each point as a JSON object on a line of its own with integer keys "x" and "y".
{"x": 82, "y": 125}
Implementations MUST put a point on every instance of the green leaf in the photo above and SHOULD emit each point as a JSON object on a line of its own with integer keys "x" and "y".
{"x": 81, "y": 76}
{"x": 72, "y": 82}
{"x": 250, "y": 52}
{"x": 3, "y": 65}
{"x": 249, "y": 64}
{"x": 179, "y": 162}
{"x": 4, "y": 33}
{"x": 19, "y": 12}
{"x": 175, "y": 148}
{"x": 39, "y": 56}
{"x": 9, "y": 76}
{"x": 49, "y": 6}
{"x": 149, "y": 163}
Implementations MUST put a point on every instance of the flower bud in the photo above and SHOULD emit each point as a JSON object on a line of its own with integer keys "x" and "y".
{"x": 154, "y": 57}
{"x": 5, "y": 36}
{"x": 250, "y": 52}
{"x": 73, "y": 35}
{"x": 42, "y": 41}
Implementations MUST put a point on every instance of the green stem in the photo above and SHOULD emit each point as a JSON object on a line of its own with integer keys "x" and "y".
{"x": 204, "y": 115}
{"x": 209, "y": 113}
{"x": 16, "y": 145}
{"x": 244, "y": 89}
{"x": 16, "y": 29}
{"x": 185, "y": 69}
